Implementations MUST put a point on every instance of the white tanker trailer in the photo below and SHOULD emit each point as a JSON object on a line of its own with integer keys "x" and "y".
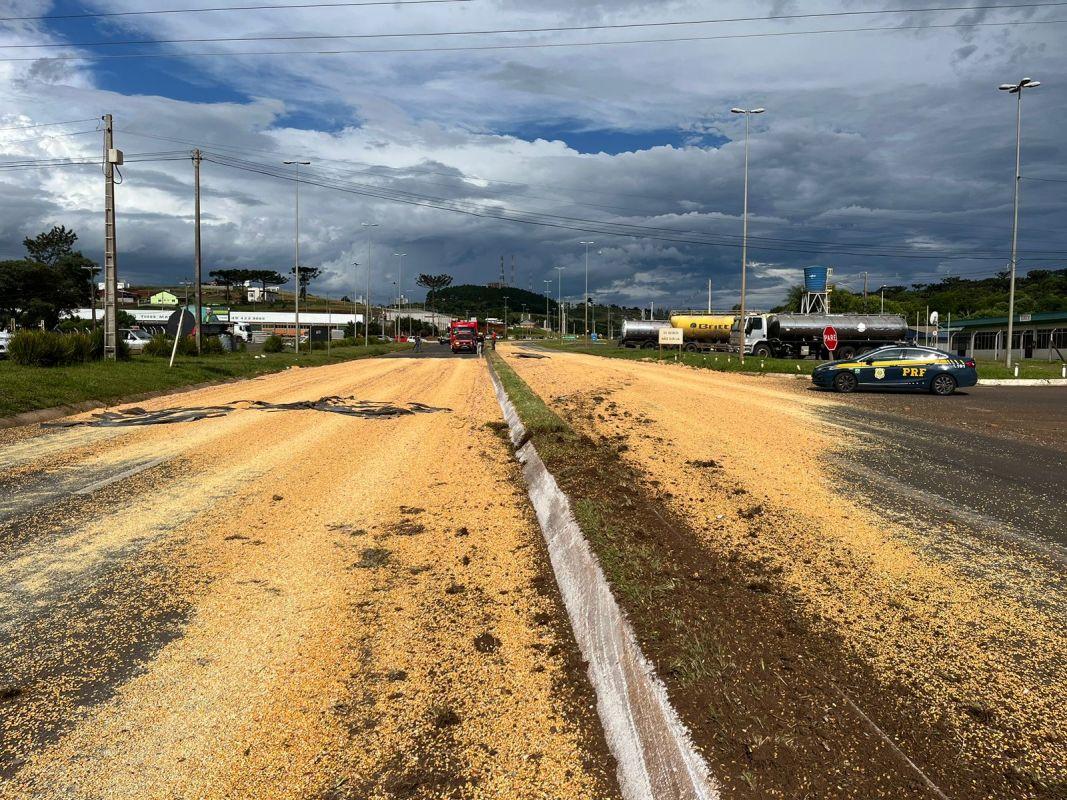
{"x": 800, "y": 335}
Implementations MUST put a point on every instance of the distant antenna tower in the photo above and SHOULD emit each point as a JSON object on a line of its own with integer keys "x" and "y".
{"x": 816, "y": 297}
{"x": 503, "y": 281}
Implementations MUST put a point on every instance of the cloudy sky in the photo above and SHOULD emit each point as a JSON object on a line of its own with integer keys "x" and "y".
{"x": 889, "y": 152}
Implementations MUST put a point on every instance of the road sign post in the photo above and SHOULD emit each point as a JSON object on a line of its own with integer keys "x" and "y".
{"x": 670, "y": 337}
{"x": 829, "y": 339}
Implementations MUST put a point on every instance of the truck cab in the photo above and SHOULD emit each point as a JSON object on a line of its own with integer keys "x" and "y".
{"x": 756, "y": 340}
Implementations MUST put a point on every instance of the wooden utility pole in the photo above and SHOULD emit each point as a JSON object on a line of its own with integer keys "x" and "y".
{"x": 112, "y": 158}
{"x": 196, "y": 254}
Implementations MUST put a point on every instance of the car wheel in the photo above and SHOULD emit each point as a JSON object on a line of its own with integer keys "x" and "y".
{"x": 845, "y": 382}
{"x": 943, "y": 384}
{"x": 761, "y": 351}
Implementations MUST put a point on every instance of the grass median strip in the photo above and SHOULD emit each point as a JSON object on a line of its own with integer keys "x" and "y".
{"x": 756, "y": 681}
{"x": 32, "y": 388}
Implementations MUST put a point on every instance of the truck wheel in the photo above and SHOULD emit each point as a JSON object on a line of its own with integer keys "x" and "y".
{"x": 761, "y": 351}
{"x": 690, "y": 348}
{"x": 943, "y": 384}
{"x": 845, "y": 382}
{"x": 847, "y": 353}
{"x": 648, "y": 345}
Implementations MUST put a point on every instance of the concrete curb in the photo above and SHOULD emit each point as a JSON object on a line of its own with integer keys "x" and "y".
{"x": 1022, "y": 381}
{"x": 654, "y": 753}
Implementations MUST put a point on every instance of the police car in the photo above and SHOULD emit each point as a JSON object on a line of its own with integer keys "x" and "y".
{"x": 896, "y": 367}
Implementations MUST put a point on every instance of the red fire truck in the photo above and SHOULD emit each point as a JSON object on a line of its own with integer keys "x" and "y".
{"x": 463, "y": 336}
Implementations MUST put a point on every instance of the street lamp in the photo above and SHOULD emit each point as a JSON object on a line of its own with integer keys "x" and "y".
{"x": 744, "y": 235}
{"x": 1016, "y": 88}
{"x": 296, "y": 260}
{"x": 400, "y": 289}
{"x": 881, "y": 292}
{"x": 366, "y": 323}
{"x": 586, "y": 299}
{"x": 559, "y": 300}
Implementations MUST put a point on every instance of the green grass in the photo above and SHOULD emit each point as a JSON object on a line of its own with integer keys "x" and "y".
{"x": 726, "y": 362}
{"x": 535, "y": 415}
{"x": 31, "y": 388}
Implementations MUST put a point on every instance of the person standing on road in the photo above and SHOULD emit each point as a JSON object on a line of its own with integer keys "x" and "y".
{"x": 418, "y": 343}
{"x": 494, "y": 340}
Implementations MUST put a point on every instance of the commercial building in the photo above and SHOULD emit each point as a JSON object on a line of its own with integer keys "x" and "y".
{"x": 1042, "y": 336}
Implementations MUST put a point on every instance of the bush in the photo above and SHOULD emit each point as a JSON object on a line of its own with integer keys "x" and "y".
{"x": 51, "y": 349}
{"x": 162, "y": 345}
{"x": 210, "y": 346}
{"x": 272, "y": 344}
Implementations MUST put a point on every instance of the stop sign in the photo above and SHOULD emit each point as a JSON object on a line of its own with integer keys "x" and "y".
{"x": 829, "y": 337}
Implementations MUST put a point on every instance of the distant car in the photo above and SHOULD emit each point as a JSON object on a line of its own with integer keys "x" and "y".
{"x": 135, "y": 339}
{"x": 442, "y": 340}
{"x": 384, "y": 338}
{"x": 5, "y": 337}
{"x": 897, "y": 367}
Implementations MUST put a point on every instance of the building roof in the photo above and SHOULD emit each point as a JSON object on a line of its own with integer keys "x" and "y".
{"x": 992, "y": 322}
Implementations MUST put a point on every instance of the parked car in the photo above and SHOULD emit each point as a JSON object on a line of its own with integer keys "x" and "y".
{"x": 135, "y": 338}
{"x": 921, "y": 368}
{"x": 5, "y": 337}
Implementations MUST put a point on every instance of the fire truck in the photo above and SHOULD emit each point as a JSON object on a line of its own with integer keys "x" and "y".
{"x": 463, "y": 336}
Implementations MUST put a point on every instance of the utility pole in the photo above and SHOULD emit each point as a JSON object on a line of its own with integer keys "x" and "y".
{"x": 366, "y": 323}
{"x": 744, "y": 235}
{"x": 1025, "y": 83}
{"x": 196, "y": 249}
{"x": 112, "y": 158}
{"x": 585, "y": 300}
{"x": 296, "y": 262}
{"x": 865, "y": 292}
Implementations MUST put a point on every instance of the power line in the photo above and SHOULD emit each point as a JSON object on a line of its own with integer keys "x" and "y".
{"x": 279, "y": 6}
{"x": 46, "y": 124}
{"x": 554, "y": 29}
{"x": 47, "y": 136}
{"x": 553, "y": 221}
{"x": 533, "y": 46}
{"x": 1044, "y": 180}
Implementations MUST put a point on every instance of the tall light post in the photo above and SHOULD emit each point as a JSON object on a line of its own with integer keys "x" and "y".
{"x": 548, "y": 288}
{"x": 559, "y": 300}
{"x": 1016, "y": 88}
{"x": 366, "y": 323}
{"x": 881, "y": 292}
{"x": 296, "y": 260}
{"x": 586, "y": 298}
{"x": 505, "y": 317}
{"x": 744, "y": 232}
{"x": 400, "y": 289}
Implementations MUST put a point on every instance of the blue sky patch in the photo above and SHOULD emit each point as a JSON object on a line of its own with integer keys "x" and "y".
{"x": 614, "y": 141}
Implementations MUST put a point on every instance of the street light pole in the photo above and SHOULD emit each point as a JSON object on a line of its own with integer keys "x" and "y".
{"x": 548, "y": 288}
{"x": 366, "y": 323}
{"x": 586, "y": 298}
{"x": 296, "y": 261}
{"x": 744, "y": 233}
{"x": 1016, "y": 88}
{"x": 399, "y": 290}
{"x": 559, "y": 300}
{"x": 881, "y": 291}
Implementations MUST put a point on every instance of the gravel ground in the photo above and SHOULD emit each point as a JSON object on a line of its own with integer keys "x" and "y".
{"x": 751, "y": 463}
{"x": 287, "y": 604}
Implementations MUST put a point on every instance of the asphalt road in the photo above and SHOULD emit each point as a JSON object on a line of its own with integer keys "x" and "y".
{"x": 993, "y": 459}
{"x": 304, "y": 592}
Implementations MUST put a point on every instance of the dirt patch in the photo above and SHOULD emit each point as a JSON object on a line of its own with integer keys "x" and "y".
{"x": 759, "y": 687}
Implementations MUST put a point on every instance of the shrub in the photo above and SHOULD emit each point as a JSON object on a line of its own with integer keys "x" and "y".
{"x": 210, "y": 346}
{"x": 272, "y": 344}
{"x": 162, "y": 345}
{"x": 51, "y": 349}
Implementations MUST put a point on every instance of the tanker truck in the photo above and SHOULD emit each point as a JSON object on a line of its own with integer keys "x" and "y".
{"x": 703, "y": 331}
{"x": 641, "y": 332}
{"x": 800, "y": 335}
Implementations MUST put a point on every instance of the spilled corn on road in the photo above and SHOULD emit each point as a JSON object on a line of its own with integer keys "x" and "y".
{"x": 280, "y": 602}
